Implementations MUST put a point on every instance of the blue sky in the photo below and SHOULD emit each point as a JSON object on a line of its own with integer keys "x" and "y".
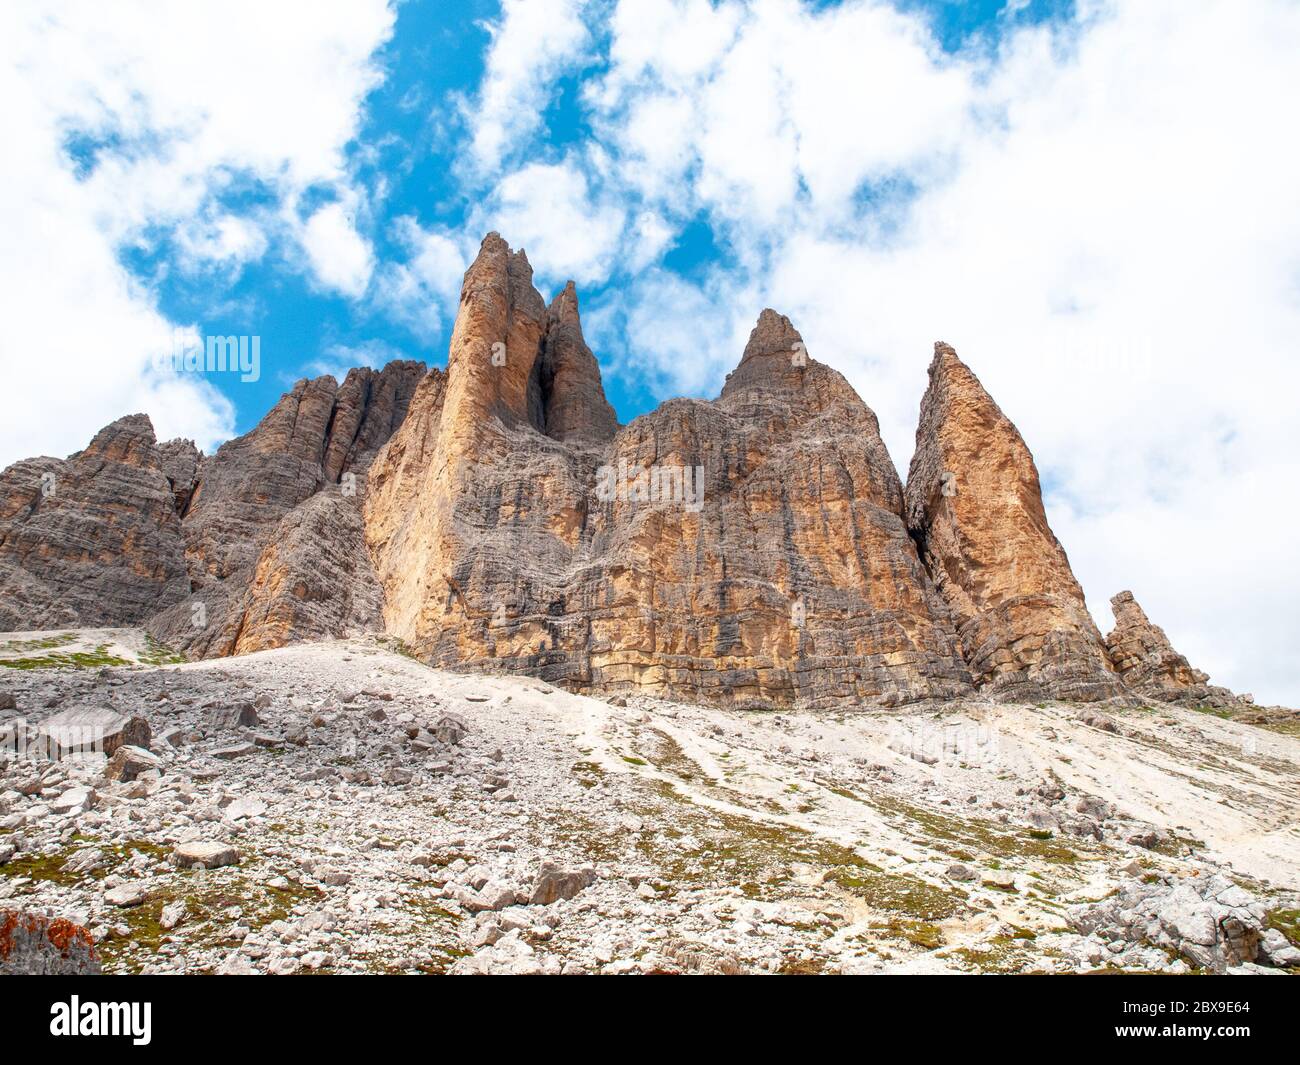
{"x": 1094, "y": 202}
{"x": 413, "y": 133}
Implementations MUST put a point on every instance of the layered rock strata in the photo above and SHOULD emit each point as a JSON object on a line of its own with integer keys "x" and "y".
{"x": 1147, "y": 661}
{"x": 91, "y": 540}
{"x": 751, "y": 550}
{"x": 269, "y": 560}
{"x": 975, "y": 509}
{"x": 755, "y": 550}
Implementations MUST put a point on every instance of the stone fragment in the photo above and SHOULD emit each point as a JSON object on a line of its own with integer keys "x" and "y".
{"x": 129, "y": 761}
{"x": 450, "y": 729}
{"x": 553, "y": 883}
{"x": 238, "y": 715}
{"x": 237, "y": 750}
{"x": 99, "y": 730}
{"x": 86, "y": 860}
{"x": 75, "y": 800}
{"x": 173, "y": 914}
{"x": 204, "y": 854}
{"x": 247, "y": 806}
{"x": 132, "y": 893}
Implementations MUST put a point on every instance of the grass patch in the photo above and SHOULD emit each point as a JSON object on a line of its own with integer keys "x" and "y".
{"x": 159, "y": 654}
{"x": 1287, "y": 922}
{"x": 68, "y": 659}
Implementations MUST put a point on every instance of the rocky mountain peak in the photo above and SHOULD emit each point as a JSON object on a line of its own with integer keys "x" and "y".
{"x": 129, "y": 439}
{"x": 775, "y": 357}
{"x": 975, "y": 508}
{"x": 571, "y": 395}
{"x": 755, "y": 550}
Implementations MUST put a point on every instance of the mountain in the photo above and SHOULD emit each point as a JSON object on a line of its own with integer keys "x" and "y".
{"x": 758, "y": 549}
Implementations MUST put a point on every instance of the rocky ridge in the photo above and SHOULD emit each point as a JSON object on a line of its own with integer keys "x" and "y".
{"x": 754, "y": 550}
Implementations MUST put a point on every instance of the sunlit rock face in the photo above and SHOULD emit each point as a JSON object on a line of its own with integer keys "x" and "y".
{"x": 749, "y": 550}
{"x": 975, "y": 509}
{"x": 758, "y": 549}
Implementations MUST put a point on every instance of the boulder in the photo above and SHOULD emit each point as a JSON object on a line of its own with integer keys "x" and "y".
{"x": 450, "y": 729}
{"x": 553, "y": 883}
{"x": 238, "y": 715}
{"x": 204, "y": 854}
{"x": 132, "y": 893}
{"x": 75, "y": 800}
{"x": 1209, "y": 920}
{"x": 237, "y": 750}
{"x": 98, "y": 730}
{"x": 129, "y": 761}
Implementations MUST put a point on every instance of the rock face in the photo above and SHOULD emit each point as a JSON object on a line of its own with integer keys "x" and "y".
{"x": 1147, "y": 660}
{"x": 33, "y": 945}
{"x": 255, "y": 546}
{"x": 755, "y": 550}
{"x": 751, "y": 550}
{"x": 272, "y": 523}
{"x": 975, "y": 509}
{"x": 93, "y": 540}
{"x": 180, "y": 461}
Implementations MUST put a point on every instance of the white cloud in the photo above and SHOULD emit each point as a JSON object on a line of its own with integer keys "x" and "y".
{"x": 339, "y": 255}
{"x": 423, "y": 291}
{"x": 550, "y": 211}
{"x": 533, "y": 43}
{"x": 229, "y": 239}
{"x": 688, "y": 335}
{"x": 164, "y": 106}
{"x": 338, "y": 359}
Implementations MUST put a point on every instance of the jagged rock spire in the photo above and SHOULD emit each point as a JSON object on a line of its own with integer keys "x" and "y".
{"x": 1146, "y": 659}
{"x": 975, "y": 508}
{"x": 572, "y": 396}
{"x": 774, "y": 358}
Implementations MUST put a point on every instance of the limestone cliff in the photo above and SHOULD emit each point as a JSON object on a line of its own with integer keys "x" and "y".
{"x": 245, "y": 548}
{"x": 975, "y": 509}
{"x": 93, "y": 540}
{"x": 751, "y": 550}
{"x": 758, "y": 549}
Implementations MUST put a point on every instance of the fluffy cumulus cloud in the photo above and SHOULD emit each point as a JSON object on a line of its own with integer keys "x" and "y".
{"x": 422, "y": 291}
{"x": 551, "y": 212}
{"x": 533, "y": 43}
{"x": 1099, "y": 214}
{"x": 339, "y": 256}
{"x": 129, "y": 123}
